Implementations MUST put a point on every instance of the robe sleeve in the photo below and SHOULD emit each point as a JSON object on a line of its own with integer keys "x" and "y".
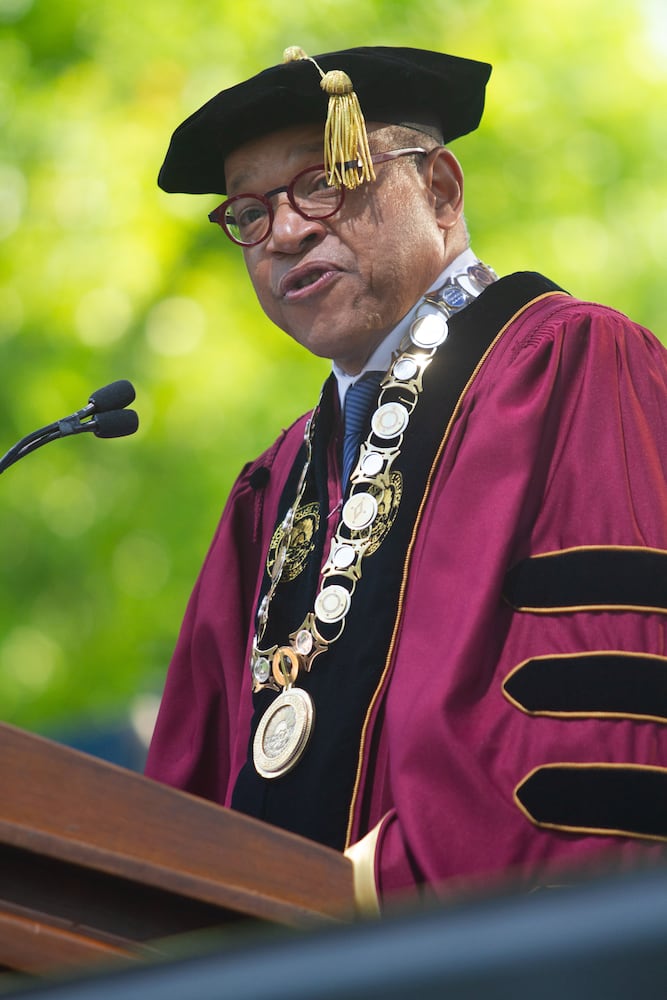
{"x": 507, "y": 752}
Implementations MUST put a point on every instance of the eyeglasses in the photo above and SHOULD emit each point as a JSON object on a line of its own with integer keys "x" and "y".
{"x": 247, "y": 219}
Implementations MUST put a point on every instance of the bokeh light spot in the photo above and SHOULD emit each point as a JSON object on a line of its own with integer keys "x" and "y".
{"x": 175, "y": 326}
{"x": 29, "y": 659}
{"x": 103, "y": 316}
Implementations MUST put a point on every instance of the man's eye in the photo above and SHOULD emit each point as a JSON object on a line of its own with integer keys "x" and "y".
{"x": 250, "y": 215}
{"x": 317, "y": 183}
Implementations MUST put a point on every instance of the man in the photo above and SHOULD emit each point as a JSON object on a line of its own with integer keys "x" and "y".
{"x": 438, "y": 645}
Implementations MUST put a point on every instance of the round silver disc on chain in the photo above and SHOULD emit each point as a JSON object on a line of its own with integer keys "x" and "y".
{"x": 360, "y": 511}
{"x": 332, "y": 604}
{"x": 405, "y": 369}
{"x": 371, "y": 463}
{"x": 429, "y": 331}
{"x": 343, "y": 556}
{"x": 303, "y": 642}
{"x": 261, "y": 669}
{"x": 390, "y": 420}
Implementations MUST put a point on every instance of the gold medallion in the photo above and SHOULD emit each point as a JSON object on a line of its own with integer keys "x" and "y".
{"x": 302, "y": 541}
{"x": 283, "y": 733}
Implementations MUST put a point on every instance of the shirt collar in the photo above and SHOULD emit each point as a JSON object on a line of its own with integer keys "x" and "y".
{"x": 381, "y": 357}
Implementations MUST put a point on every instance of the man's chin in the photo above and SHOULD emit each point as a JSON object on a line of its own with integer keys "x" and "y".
{"x": 331, "y": 344}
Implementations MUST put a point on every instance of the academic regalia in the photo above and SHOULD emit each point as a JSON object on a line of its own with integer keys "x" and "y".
{"x": 497, "y": 702}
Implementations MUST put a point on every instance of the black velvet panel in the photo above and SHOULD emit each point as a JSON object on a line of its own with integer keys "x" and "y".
{"x": 596, "y": 577}
{"x": 629, "y": 685}
{"x": 619, "y": 799}
{"x": 314, "y": 798}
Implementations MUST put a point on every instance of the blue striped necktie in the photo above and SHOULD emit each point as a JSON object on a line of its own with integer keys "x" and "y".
{"x": 359, "y": 400}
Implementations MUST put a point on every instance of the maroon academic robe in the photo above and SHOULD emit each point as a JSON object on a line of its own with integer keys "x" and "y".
{"x": 518, "y": 722}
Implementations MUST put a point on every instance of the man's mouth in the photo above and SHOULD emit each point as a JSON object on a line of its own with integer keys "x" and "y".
{"x": 307, "y": 279}
{"x": 300, "y": 279}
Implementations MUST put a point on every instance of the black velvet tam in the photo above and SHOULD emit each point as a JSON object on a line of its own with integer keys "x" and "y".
{"x": 437, "y": 91}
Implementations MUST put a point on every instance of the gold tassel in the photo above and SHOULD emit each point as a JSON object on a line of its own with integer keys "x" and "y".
{"x": 347, "y": 157}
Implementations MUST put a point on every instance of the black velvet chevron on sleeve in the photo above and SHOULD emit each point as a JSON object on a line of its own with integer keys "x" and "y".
{"x": 593, "y": 577}
{"x": 617, "y": 799}
{"x": 607, "y": 683}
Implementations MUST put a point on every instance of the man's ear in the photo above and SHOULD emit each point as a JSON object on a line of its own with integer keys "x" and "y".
{"x": 444, "y": 177}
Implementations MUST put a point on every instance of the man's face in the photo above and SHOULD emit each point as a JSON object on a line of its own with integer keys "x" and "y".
{"x": 339, "y": 285}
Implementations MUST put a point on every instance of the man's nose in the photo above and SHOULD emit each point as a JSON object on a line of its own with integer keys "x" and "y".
{"x": 290, "y": 230}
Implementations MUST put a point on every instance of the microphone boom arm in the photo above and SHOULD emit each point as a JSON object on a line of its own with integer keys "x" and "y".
{"x": 108, "y": 403}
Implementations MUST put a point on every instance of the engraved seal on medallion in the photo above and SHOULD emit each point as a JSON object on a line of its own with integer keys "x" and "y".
{"x": 283, "y": 733}
{"x": 306, "y": 523}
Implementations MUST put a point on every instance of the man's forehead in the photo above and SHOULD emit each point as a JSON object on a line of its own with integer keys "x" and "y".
{"x": 279, "y": 151}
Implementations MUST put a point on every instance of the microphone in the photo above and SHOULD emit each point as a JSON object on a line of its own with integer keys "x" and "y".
{"x": 113, "y": 423}
{"x": 115, "y": 396}
{"x": 104, "y": 414}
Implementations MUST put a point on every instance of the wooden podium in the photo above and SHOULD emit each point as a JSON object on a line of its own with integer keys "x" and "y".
{"x": 99, "y": 863}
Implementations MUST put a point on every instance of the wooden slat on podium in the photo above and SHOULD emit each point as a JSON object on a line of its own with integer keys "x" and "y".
{"x": 97, "y": 861}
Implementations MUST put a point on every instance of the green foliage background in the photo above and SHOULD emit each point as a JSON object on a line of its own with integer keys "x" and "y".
{"x": 104, "y": 276}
